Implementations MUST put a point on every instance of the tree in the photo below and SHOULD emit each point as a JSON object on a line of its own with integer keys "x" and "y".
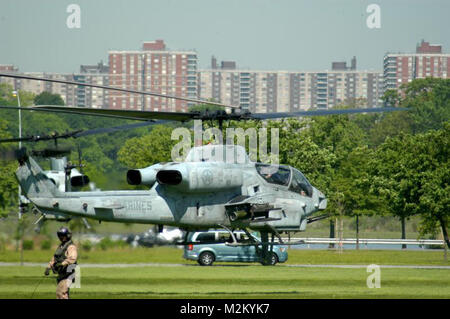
{"x": 391, "y": 98}
{"x": 397, "y": 177}
{"x": 8, "y": 98}
{"x": 8, "y": 184}
{"x": 390, "y": 125}
{"x": 298, "y": 149}
{"x": 430, "y": 159}
{"x": 47, "y": 98}
{"x": 149, "y": 149}
{"x": 392, "y": 178}
{"x": 339, "y": 135}
{"x": 429, "y": 100}
{"x": 411, "y": 173}
{"x": 354, "y": 182}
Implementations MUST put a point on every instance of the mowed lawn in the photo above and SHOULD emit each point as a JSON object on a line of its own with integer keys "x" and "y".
{"x": 178, "y": 278}
{"x": 253, "y": 281}
{"x": 296, "y": 256}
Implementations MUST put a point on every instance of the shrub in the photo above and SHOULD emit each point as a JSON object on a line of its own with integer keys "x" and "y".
{"x": 28, "y": 244}
{"x": 121, "y": 244}
{"x": 106, "y": 243}
{"x": 3, "y": 241}
{"x": 86, "y": 245}
{"x": 46, "y": 244}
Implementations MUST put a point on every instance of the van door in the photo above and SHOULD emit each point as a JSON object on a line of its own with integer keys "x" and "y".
{"x": 224, "y": 251}
{"x": 246, "y": 252}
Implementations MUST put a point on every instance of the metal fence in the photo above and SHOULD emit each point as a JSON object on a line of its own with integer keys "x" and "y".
{"x": 366, "y": 241}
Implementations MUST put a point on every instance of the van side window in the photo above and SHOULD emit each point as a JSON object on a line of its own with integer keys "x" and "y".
{"x": 225, "y": 237}
{"x": 243, "y": 238}
{"x": 206, "y": 237}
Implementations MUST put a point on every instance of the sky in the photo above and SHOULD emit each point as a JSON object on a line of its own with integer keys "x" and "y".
{"x": 291, "y": 35}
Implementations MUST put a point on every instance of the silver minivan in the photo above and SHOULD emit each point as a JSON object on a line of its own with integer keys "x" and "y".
{"x": 214, "y": 245}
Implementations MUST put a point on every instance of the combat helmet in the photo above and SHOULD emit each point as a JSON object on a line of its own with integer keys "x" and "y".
{"x": 64, "y": 231}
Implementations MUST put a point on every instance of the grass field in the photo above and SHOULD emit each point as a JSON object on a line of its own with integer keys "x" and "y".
{"x": 296, "y": 256}
{"x": 230, "y": 282}
{"x": 233, "y": 280}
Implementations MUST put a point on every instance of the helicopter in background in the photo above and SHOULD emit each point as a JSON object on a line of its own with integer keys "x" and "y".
{"x": 65, "y": 175}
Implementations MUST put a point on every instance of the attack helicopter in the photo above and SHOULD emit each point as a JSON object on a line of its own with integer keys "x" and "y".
{"x": 215, "y": 186}
{"x": 62, "y": 173}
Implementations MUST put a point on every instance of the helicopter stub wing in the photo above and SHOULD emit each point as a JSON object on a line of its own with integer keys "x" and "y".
{"x": 250, "y": 209}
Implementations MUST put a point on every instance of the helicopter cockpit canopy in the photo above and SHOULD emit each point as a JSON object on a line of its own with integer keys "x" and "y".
{"x": 274, "y": 174}
{"x": 300, "y": 184}
{"x": 231, "y": 154}
{"x": 281, "y": 175}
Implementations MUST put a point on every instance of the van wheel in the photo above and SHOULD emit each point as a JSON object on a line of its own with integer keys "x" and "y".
{"x": 206, "y": 258}
{"x": 272, "y": 260}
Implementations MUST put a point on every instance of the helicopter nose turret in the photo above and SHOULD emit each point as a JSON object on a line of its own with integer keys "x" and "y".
{"x": 320, "y": 201}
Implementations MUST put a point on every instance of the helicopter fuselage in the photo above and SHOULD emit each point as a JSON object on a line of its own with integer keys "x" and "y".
{"x": 190, "y": 195}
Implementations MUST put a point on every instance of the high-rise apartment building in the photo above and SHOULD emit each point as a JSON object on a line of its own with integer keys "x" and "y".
{"x": 428, "y": 61}
{"x": 9, "y": 68}
{"x": 157, "y": 69}
{"x": 67, "y": 92}
{"x": 153, "y": 69}
{"x": 71, "y": 94}
{"x": 92, "y": 97}
{"x": 283, "y": 91}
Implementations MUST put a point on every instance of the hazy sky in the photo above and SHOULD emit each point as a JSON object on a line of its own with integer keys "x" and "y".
{"x": 257, "y": 34}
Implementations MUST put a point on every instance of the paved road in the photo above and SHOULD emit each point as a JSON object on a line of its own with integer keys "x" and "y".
{"x": 28, "y": 264}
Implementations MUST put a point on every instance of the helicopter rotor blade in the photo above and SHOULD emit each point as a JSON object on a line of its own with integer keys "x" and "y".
{"x": 14, "y": 154}
{"x": 37, "y": 138}
{"x": 52, "y": 152}
{"x": 218, "y": 115}
{"x": 80, "y": 133}
{"x": 198, "y": 101}
{"x": 186, "y": 116}
{"x": 111, "y": 113}
{"x": 44, "y": 108}
{"x": 265, "y": 116}
{"x": 18, "y": 154}
{"x": 125, "y": 114}
{"x": 117, "y": 128}
{"x": 21, "y": 139}
{"x": 146, "y": 115}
